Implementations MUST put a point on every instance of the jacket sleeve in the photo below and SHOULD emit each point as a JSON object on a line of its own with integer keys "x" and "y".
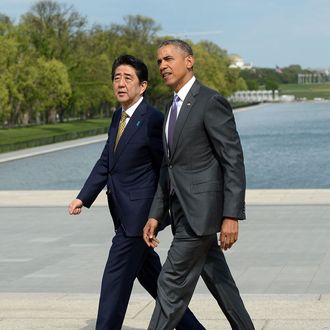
{"x": 96, "y": 180}
{"x": 221, "y": 128}
{"x": 160, "y": 205}
{"x": 155, "y": 126}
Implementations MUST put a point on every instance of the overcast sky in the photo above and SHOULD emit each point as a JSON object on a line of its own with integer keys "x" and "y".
{"x": 265, "y": 33}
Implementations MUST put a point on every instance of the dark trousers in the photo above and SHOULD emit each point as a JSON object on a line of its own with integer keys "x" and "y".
{"x": 189, "y": 257}
{"x": 130, "y": 258}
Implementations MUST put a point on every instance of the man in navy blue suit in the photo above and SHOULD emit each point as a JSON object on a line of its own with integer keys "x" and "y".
{"x": 129, "y": 166}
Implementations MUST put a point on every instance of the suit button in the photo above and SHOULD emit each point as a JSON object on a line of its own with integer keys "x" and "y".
{"x": 171, "y": 166}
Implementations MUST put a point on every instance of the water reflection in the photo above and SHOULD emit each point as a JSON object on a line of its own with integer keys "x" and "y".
{"x": 285, "y": 146}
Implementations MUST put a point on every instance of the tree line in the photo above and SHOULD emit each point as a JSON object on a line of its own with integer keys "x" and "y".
{"x": 54, "y": 67}
{"x": 270, "y": 79}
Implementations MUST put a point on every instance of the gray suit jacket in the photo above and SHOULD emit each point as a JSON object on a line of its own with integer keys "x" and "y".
{"x": 206, "y": 167}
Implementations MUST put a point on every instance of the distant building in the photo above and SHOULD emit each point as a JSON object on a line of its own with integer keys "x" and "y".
{"x": 237, "y": 62}
{"x": 260, "y": 96}
{"x": 318, "y": 76}
{"x": 255, "y": 96}
{"x": 287, "y": 98}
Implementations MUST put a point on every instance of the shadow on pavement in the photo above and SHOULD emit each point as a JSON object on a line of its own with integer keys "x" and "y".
{"x": 91, "y": 326}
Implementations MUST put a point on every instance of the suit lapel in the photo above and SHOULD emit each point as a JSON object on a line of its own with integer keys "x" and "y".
{"x": 134, "y": 124}
{"x": 186, "y": 108}
{"x": 167, "y": 111}
{"x": 113, "y": 134}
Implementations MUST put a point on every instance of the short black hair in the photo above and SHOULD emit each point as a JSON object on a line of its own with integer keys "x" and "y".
{"x": 184, "y": 46}
{"x": 138, "y": 65}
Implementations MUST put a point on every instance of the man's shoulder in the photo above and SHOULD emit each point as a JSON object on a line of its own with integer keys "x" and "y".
{"x": 208, "y": 90}
{"x": 212, "y": 93}
{"x": 152, "y": 111}
{"x": 115, "y": 115}
{"x": 212, "y": 96}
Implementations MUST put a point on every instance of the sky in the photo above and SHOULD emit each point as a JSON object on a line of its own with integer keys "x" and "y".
{"x": 266, "y": 33}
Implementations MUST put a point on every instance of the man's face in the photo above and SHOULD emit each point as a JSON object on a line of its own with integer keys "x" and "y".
{"x": 127, "y": 86}
{"x": 174, "y": 66}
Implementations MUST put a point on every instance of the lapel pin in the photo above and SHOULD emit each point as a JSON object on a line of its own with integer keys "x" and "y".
{"x": 138, "y": 123}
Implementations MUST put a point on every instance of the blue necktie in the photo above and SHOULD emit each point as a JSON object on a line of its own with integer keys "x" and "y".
{"x": 172, "y": 121}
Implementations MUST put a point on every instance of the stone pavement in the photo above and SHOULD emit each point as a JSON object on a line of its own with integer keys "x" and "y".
{"x": 51, "y": 263}
{"x": 71, "y": 312}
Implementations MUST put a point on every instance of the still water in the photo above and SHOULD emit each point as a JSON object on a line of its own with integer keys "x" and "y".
{"x": 285, "y": 146}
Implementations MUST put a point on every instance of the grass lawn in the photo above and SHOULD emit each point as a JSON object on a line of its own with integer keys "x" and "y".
{"x": 309, "y": 91}
{"x": 18, "y": 138}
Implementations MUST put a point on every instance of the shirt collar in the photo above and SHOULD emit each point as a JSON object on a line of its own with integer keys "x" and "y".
{"x": 182, "y": 93}
{"x": 133, "y": 107}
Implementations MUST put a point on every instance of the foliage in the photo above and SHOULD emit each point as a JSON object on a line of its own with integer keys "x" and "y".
{"x": 52, "y": 66}
{"x": 52, "y": 29}
{"x": 271, "y": 85}
{"x": 252, "y": 85}
{"x": 260, "y": 77}
{"x": 210, "y": 67}
{"x": 52, "y": 76}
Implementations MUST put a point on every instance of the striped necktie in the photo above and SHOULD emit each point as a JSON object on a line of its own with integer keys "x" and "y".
{"x": 121, "y": 126}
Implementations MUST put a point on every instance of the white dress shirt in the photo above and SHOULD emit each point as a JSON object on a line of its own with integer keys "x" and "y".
{"x": 131, "y": 110}
{"x": 182, "y": 93}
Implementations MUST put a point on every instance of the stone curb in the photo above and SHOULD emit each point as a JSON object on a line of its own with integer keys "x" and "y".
{"x": 61, "y": 198}
{"x": 78, "y": 311}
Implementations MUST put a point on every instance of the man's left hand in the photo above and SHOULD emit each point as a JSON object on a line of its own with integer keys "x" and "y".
{"x": 150, "y": 233}
{"x": 228, "y": 233}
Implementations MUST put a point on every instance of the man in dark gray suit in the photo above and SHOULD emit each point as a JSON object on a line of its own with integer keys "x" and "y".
{"x": 202, "y": 183}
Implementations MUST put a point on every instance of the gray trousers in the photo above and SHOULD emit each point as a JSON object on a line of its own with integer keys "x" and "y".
{"x": 189, "y": 257}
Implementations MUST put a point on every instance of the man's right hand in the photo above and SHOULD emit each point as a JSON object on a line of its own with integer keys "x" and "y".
{"x": 150, "y": 233}
{"x": 75, "y": 207}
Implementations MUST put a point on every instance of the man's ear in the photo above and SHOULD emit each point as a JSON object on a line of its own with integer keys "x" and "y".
{"x": 190, "y": 61}
{"x": 144, "y": 86}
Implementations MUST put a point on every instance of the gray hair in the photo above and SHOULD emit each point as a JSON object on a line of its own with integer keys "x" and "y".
{"x": 185, "y": 47}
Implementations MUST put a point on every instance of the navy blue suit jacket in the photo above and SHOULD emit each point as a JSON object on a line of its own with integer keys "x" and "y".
{"x": 131, "y": 172}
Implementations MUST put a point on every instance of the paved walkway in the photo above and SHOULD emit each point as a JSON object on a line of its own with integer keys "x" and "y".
{"x": 51, "y": 263}
{"x": 71, "y": 312}
{"x": 253, "y": 197}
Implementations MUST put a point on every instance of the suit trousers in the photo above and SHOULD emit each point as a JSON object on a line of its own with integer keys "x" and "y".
{"x": 130, "y": 258}
{"x": 189, "y": 257}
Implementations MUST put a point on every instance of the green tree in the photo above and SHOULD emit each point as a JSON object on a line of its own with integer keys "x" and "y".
{"x": 252, "y": 85}
{"x": 52, "y": 64}
{"x": 209, "y": 68}
{"x": 271, "y": 85}
{"x": 212, "y": 68}
{"x": 138, "y": 36}
{"x": 6, "y": 25}
{"x": 92, "y": 87}
{"x": 53, "y": 88}
{"x": 234, "y": 81}
{"x": 7, "y": 46}
{"x": 53, "y": 29}
{"x": 137, "y": 29}
{"x": 4, "y": 102}
{"x": 11, "y": 97}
